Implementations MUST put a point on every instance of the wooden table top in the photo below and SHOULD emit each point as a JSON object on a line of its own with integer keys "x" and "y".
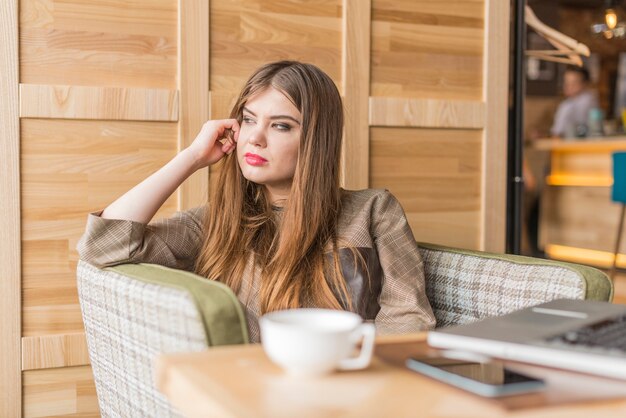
{"x": 240, "y": 381}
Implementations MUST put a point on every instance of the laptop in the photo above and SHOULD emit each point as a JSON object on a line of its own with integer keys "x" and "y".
{"x": 579, "y": 335}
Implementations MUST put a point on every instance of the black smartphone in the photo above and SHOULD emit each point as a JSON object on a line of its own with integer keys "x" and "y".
{"x": 489, "y": 379}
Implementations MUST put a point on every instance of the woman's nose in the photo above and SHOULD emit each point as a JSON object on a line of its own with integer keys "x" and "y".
{"x": 257, "y": 137}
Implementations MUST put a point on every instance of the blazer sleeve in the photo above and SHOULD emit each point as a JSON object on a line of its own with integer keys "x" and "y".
{"x": 172, "y": 242}
{"x": 403, "y": 304}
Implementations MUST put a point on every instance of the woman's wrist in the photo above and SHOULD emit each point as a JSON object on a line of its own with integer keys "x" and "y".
{"x": 191, "y": 160}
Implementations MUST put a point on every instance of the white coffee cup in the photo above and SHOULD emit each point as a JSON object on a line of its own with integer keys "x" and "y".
{"x": 309, "y": 342}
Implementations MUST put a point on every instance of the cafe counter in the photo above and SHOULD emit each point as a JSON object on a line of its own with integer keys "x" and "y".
{"x": 578, "y": 220}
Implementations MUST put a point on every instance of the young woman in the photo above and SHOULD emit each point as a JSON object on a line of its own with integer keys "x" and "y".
{"x": 277, "y": 229}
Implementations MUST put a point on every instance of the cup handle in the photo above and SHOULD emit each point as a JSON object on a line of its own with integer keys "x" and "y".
{"x": 368, "y": 333}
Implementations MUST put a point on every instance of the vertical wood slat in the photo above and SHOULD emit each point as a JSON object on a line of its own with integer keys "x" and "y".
{"x": 193, "y": 85}
{"x": 495, "y": 87}
{"x": 10, "y": 373}
{"x": 356, "y": 88}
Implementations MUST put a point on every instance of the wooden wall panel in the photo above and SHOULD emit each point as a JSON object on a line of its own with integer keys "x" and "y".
{"x": 427, "y": 49}
{"x": 126, "y": 43}
{"x": 426, "y": 113}
{"x": 70, "y": 168}
{"x": 79, "y": 102}
{"x": 356, "y": 80}
{"x": 495, "y": 133}
{"x": 51, "y": 351}
{"x": 434, "y": 60}
{"x": 426, "y": 70}
{"x": 193, "y": 82}
{"x": 10, "y": 268}
{"x": 67, "y": 392}
{"x": 248, "y": 33}
{"x": 436, "y": 176}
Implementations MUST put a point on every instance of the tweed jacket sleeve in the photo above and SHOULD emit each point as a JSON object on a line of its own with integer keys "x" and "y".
{"x": 403, "y": 303}
{"x": 172, "y": 242}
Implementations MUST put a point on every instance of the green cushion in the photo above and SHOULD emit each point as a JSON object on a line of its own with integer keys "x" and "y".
{"x": 597, "y": 284}
{"x": 221, "y": 311}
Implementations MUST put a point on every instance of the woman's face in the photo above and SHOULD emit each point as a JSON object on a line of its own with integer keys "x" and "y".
{"x": 267, "y": 147}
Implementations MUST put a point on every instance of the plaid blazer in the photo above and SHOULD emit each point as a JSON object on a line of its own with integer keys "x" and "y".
{"x": 391, "y": 291}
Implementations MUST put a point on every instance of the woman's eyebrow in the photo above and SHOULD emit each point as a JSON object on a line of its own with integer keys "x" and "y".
{"x": 275, "y": 116}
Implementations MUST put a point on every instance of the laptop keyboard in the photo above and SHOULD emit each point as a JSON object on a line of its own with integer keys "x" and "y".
{"x": 605, "y": 337}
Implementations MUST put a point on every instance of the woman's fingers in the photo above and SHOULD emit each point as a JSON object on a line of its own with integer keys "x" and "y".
{"x": 233, "y": 125}
{"x": 230, "y": 135}
{"x": 217, "y": 137}
{"x": 228, "y": 147}
{"x": 229, "y": 129}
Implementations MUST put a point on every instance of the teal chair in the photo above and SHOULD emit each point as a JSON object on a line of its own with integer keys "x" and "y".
{"x": 618, "y": 195}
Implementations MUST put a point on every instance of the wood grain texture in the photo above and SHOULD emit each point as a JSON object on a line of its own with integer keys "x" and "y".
{"x": 49, "y": 351}
{"x": 193, "y": 80}
{"x": 126, "y": 43}
{"x": 580, "y": 217}
{"x": 80, "y": 102}
{"x": 71, "y": 168}
{"x": 190, "y": 382}
{"x": 420, "y": 50}
{"x": 355, "y": 81}
{"x": 10, "y": 269}
{"x": 426, "y": 113}
{"x": 241, "y": 381}
{"x": 495, "y": 94}
{"x": 96, "y": 60}
{"x": 68, "y": 392}
{"x": 436, "y": 176}
{"x": 427, "y": 49}
{"x": 246, "y": 34}
{"x": 577, "y": 210}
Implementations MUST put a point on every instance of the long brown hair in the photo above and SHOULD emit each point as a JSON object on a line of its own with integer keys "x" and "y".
{"x": 289, "y": 248}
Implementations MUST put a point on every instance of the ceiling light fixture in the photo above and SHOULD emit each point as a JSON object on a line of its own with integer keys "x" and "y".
{"x": 612, "y": 24}
{"x": 611, "y": 18}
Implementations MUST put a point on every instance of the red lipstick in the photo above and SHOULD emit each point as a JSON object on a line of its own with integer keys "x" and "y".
{"x": 254, "y": 159}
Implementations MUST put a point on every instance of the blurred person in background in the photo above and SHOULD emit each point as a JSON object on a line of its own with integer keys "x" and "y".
{"x": 572, "y": 115}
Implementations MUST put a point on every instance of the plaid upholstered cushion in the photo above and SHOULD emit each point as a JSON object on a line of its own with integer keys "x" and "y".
{"x": 131, "y": 314}
{"x": 221, "y": 312}
{"x": 464, "y": 286}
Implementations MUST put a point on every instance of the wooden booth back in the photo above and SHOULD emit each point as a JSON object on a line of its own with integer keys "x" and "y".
{"x": 102, "y": 93}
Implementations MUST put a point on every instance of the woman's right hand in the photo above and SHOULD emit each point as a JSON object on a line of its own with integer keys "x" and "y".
{"x": 216, "y": 139}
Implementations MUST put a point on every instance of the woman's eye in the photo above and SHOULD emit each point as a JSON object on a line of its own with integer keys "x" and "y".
{"x": 247, "y": 119}
{"x": 282, "y": 126}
